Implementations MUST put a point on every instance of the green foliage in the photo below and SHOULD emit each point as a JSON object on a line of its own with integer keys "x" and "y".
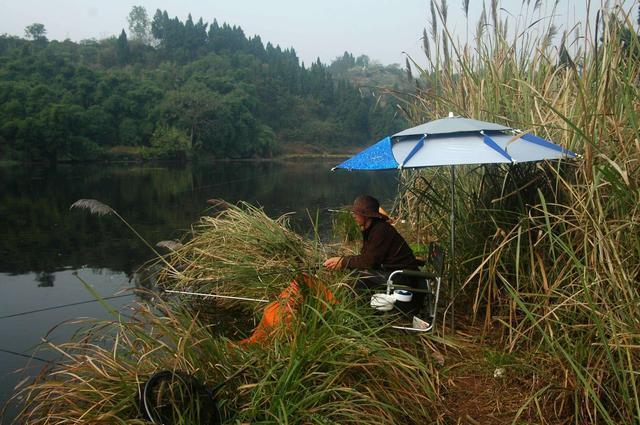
{"x": 36, "y": 31}
{"x": 370, "y": 75}
{"x": 420, "y": 250}
{"x": 346, "y": 227}
{"x": 139, "y": 24}
{"x": 122, "y": 51}
{"x": 233, "y": 96}
{"x": 170, "y": 143}
{"x": 267, "y": 143}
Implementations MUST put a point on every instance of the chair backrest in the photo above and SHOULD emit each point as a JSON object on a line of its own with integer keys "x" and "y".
{"x": 436, "y": 258}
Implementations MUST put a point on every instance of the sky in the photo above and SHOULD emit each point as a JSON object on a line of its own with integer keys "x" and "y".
{"x": 381, "y": 29}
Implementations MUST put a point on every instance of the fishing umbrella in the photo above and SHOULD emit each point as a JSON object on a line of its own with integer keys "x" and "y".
{"x": 454, "y": 141}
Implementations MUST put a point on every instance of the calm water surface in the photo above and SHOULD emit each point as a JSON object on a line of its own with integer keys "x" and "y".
{"x": 43, "y": 245}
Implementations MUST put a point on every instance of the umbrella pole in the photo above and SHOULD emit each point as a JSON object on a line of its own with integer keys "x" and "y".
{"x": 452, "y": 250}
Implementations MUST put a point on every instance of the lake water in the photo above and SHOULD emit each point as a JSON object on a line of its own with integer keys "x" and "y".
{"x": 45, "y": 247}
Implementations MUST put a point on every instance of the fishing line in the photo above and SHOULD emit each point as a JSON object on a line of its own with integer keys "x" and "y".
{"x": 28, "y": 356}
{"x": 225, "y": 183}
{"x": 64, "y": 305}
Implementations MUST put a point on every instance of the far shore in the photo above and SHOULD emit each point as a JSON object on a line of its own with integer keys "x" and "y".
{"x": 135, "y": 157}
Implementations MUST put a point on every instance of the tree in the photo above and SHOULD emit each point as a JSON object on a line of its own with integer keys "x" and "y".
{"x": 122, "y": 48}
{"x": 170, "y": 142}
{"x": 139, "y": 25}
{"x": 191, "y": 109}
{"x": 36, "y": 31}
{"x": 209, "y": 85}
{"x": 158, "y": 24}
{"x": 363, "y": 61}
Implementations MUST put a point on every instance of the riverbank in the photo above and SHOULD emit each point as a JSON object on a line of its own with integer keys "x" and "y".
{"x": 329, "y": 362}
{"x": 127, "y": 154}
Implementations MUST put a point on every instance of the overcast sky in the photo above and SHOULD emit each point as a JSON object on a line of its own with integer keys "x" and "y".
{"x": 381, "y": 29}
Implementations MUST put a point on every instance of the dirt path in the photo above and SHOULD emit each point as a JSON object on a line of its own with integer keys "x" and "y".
{"x": 485, "y": 385}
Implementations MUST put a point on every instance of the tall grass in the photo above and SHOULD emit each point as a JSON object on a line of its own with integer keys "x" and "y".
{"x": 551, "y": 252}
{"x": 334, "y": 364}
{"x": 239, "y": 250}
{"x": 327, "y": 368}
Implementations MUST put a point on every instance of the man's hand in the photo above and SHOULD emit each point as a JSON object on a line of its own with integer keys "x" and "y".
{"x": 333, "y": 263}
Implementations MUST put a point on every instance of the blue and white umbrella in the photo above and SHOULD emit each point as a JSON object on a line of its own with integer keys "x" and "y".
{"x": 454, "y": 141}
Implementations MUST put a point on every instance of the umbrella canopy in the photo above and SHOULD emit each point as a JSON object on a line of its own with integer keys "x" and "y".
{"x": 454, "y": 141}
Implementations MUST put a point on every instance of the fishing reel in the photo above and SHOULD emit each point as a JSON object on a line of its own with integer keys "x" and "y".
{"x": 175, "y": 397}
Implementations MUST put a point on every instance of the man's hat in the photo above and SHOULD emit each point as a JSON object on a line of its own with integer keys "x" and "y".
{"x": 367, "y": 206}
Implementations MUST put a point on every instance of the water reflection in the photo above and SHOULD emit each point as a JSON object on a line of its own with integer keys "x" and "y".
{"x": 45, "y": 279}
{"x": 31, "y": 307}
{"x": 41, "y": 235}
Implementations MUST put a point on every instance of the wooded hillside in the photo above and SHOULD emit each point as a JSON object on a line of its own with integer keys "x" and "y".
{"x": 173, "y": 89}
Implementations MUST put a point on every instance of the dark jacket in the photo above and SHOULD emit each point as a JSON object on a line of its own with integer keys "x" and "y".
{"x": 382, "y": 245}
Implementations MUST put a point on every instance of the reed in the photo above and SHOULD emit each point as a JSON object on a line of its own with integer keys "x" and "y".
{"x": 336, "y": 363}
{"x": 553, "y": 264}
{"x": 330, "y": 366}
{"x": 240, "y": 250}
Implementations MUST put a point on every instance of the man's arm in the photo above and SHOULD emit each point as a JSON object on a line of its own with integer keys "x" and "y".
{"x": 334, "y": 263}
{"x": 373, "y": 251}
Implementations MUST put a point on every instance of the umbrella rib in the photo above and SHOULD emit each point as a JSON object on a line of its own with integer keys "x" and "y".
{"x": 415, "y": 150}
{"x": 493, "y": 145}
{"x": 547, "y": 144}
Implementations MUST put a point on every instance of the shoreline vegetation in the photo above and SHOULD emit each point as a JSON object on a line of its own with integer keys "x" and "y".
{"x": 331, "y": 363}
{"x": 137, "y": 158}
{"x": 137, "y": 155}
{"x": 547, "y": 265}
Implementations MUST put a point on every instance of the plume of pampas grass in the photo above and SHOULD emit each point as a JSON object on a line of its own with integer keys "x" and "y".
{"x": 94, "y": 206}
{"x": 99, "y": 208}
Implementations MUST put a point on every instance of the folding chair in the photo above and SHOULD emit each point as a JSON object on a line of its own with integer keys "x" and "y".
{"x": 427, "y": 283}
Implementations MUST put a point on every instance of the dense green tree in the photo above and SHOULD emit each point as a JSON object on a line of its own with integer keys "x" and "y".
{"x": 36, "y": 31}
{"x": 191, "y": 108}
{"x": 139, "y": 25}
{"x": 51, "y": 132}
{"x": 157, "y": 25}
{"x": 122, "y": 48}
{"x": 170, "y": 143}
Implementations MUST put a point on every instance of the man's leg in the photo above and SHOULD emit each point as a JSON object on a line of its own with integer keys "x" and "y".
{"x": 370, "y": 280}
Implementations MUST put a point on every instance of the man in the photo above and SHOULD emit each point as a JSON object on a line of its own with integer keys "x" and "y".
{"x": 383, "y": 248}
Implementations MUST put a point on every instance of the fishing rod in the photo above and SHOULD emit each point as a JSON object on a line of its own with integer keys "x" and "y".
{"x": 171, "y": 291}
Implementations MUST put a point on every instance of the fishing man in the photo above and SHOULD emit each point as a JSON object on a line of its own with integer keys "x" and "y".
{"x": 383, "y": 248}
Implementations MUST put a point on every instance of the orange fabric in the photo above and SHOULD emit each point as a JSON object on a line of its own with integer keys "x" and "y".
{"x": 283, "y": 310}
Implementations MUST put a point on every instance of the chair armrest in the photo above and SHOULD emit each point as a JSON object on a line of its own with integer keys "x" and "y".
{"x": 416, "y": 273}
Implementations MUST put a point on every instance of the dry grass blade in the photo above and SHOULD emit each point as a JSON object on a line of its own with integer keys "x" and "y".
{"x": 171, "y": 245}
{"x": 328, "y": 366}
{"x": 334, "y": 363}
